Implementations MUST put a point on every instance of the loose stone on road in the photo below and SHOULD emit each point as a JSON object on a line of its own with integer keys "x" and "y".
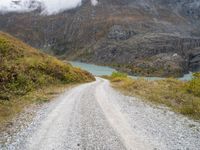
{"x": 94, "y": 116}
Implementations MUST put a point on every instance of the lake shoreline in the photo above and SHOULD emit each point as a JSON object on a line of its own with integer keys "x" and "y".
{"x": 98, "y": 70}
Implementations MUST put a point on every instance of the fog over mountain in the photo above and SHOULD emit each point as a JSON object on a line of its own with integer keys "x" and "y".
{"x": 48, "y": 6}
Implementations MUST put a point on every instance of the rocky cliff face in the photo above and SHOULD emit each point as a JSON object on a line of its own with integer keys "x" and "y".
{"x": 194, "y": 61}
{"x": 143, "y": 37}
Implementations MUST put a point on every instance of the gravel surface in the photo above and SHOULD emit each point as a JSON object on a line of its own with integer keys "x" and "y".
{"x": 94, "y": 116}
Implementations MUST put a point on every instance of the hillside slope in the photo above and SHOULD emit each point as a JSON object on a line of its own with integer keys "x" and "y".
{"x": 131, "y": 35}
{"x": 23, "y": 69}
{"x": 29, "y": 77}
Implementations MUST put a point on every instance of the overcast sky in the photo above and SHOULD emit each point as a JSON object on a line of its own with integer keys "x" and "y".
{"x": 50, "y": 6}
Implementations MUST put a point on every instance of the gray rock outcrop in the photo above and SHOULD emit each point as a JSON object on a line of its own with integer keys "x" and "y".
{"x": 194, "y": 62}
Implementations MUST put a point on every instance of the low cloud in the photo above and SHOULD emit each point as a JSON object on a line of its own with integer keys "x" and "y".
{"x": 55, "y": 6}
{"x": 48, "y": 6}
{"x": 94, "y": 2}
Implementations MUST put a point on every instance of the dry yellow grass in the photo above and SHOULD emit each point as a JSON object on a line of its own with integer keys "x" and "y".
{"x": 172, "y": 93}
{"x": 12, "y": 107}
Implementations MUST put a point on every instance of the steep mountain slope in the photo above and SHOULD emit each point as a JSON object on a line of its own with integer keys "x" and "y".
{"x": 24, "y": 69}
{"x": 140, "y": 37}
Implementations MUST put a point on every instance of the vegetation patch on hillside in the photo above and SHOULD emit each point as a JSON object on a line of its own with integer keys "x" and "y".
{"x": 182, "y": 97}
{"x": 24, "y": 70}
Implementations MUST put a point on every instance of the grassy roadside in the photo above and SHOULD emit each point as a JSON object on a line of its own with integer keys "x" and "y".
{"x": 28, "y": 76}
{"x": 181, "y": 97}
{"x": 9, "y": 109}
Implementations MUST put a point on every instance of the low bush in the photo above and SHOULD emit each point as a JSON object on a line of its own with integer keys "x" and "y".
{"x": 25, "y": 70}
{"x": 194, "y": 85}
{"x": 119, "y": 75}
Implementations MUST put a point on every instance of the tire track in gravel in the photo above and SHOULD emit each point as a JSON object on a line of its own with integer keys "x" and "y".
{"x": 94, "y": 116}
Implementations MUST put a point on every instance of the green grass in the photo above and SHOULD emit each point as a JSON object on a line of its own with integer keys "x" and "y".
{"x": 181, "y": 97}
{"x": 119, "y": 74}
{"x": 24, "y": 70}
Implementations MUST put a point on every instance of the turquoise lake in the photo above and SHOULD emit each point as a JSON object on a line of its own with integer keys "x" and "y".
{"x": 104, "y": 70}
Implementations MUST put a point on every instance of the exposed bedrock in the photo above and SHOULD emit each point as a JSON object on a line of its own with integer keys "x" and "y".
{"x": 194, "y": 61}
{"x": 147, "y": 54}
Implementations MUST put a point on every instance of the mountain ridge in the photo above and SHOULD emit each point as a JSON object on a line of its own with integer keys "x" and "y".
{"x": 114, "y": 30}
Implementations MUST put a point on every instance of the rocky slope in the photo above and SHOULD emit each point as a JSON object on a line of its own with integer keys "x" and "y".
{"x": 142, "y": 37}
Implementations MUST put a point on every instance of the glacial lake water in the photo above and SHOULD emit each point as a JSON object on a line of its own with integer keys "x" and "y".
{"x": 104, "y": 70}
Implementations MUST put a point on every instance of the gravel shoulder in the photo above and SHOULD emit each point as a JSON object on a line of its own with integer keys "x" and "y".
{"x": 95, "y": 116}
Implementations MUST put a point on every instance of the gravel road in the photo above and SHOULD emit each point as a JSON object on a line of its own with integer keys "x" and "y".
{"x": 94, "y": 116}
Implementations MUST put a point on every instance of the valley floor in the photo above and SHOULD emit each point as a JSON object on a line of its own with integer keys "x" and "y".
{"x": 95, "y": 116}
